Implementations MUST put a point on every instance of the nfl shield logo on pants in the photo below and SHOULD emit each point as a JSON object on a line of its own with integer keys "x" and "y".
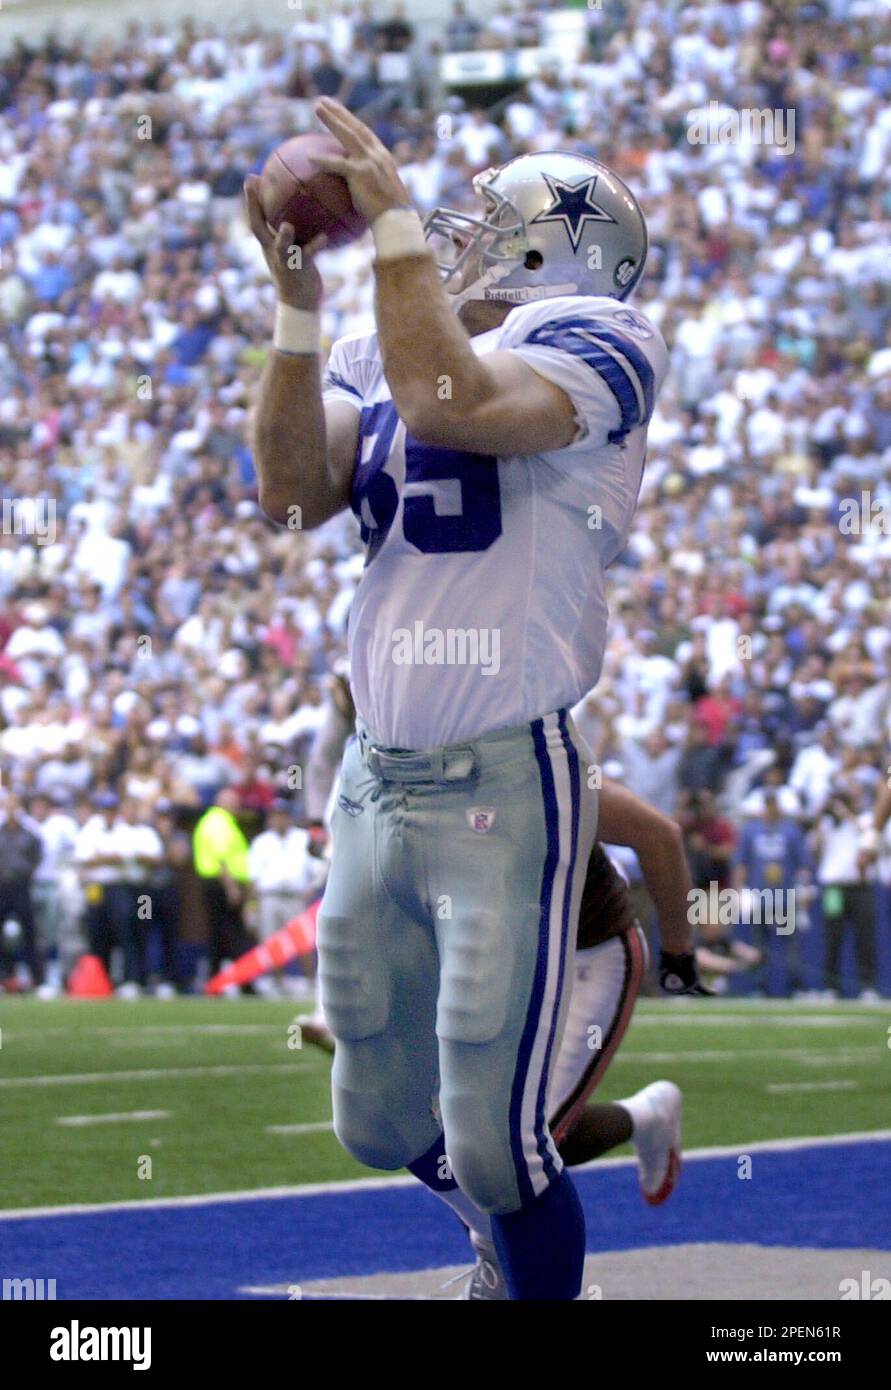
{"x": 481, "y": 818}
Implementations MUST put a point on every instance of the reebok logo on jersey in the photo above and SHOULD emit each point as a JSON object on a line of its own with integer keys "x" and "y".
{"x": 451, "y": 646}
{"x": 481, "y": 818}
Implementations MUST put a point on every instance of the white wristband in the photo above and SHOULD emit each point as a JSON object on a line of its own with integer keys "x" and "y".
{"x": 297, "y": 331}
{"x": 398, "y": 232}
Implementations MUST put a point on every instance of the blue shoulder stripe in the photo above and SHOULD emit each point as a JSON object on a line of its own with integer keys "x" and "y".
{"x": 629, "y": 376}
{"x": 332, "y": 379}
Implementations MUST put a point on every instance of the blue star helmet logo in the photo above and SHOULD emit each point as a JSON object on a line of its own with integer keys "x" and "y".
{"x": 573, "y": 205}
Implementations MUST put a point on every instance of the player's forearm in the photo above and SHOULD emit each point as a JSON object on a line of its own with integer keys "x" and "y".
{"x": 658, "y": 842}
{"x": 290, "y": 453}
{"x": 666, "y": 874}
{"x": 432, "y": 371}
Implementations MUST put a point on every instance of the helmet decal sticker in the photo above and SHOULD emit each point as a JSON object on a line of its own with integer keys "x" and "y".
{"x": 573, "y": 205}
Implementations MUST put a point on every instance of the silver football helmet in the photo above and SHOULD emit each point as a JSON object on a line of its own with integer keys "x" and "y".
{"x": 554, "y": 224}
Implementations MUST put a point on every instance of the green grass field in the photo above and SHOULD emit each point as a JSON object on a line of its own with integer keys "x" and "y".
{"x": 222, "y": 1073}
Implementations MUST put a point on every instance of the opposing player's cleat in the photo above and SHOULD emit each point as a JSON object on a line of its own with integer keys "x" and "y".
{"x": 657, "y": 1140}
{"x": 315, "y": 1030}
{"x": 486, "y": 1282}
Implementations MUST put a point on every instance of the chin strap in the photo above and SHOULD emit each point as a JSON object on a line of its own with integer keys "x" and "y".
{"x": 478, "y": 289}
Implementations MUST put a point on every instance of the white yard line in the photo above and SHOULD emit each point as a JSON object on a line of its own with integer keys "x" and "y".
{"x": 729, "y": 1004}
{"x": 211, "y": 1029}
{"x": 806, "y": 1055}
{"x": 328, "y": 1294}
{"x": 316, "y": 1189}
{"x": 782, "y": 1088}
{"x": 313, "y": 1297}
{"x": 76, "y": 1121}
{"x": 314, "y": 1127}
{"x": 85, "y": 1078}
{"x": 652, "y": 1013}
{"x": 705, "y": 1018}
{"x": 129, "y": 1029}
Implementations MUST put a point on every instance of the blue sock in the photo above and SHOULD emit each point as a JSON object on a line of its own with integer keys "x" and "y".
{"x": 432, "y": 1168}
{"x": 541, "y": 1247}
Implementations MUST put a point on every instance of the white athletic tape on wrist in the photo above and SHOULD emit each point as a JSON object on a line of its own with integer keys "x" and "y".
{"x": 398, "y": 232}
{"x": 297, "y": 331}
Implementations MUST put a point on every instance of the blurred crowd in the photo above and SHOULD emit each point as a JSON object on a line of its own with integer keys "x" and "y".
{"x": 163, "y": 646}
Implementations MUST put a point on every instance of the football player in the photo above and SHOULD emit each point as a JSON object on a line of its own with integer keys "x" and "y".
{"x": 610, "y": 962}
{"x": 490, "y": 437}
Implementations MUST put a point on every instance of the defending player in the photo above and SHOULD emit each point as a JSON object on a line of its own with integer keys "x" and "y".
{"x": 493, "y": 457}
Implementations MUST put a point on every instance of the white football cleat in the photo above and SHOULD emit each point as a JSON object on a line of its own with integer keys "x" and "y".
{"x": 486, "y": 1282}
{"x": 315, "y": 1030}
{"x": 657, "y": 1139}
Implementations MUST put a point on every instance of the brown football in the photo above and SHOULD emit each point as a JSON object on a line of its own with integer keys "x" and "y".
{"x": 293, "y": 190}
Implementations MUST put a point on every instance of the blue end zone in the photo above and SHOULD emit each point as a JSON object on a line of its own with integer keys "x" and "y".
{"x": 830, "y": 1196}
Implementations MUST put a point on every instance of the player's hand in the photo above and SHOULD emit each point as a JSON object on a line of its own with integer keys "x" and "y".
{"x": 294, "y": 271}
{"x": 369, "y": 168}
{"x": 678, "y": 975}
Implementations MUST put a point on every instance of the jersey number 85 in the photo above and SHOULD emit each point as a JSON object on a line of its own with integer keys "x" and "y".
{"x": 375, "y": 498}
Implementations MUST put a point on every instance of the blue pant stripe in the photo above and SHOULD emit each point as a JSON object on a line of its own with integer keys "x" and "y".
{"x": 533, "y": 1015}
{"x": 566, "y": 927}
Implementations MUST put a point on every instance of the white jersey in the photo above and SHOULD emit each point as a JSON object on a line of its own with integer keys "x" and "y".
{"x": 482, "y": 604}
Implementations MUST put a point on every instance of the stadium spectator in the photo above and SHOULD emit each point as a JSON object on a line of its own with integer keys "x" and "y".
{"x": 284, "y": 875}
{"x": 97, "y": 854}
{"x": 479, "y": 140}
{"x": 221, "y": 862}
{"x": 710, "y": 841}
{"x": 51, "y": 885}
{"x": 22, "y": 850}
{"x": 462, "y": 30}
{"x": 141, "y": 854}
{"x": 772, "y": 861}
{"x": 700, "y": 768}
{"x": 651, "y": 769}
{"x": 847, "y": 895}
{"x": 395, "y": 34}
{"x": 814, "y": 770}
{"x": 165, "y": 891}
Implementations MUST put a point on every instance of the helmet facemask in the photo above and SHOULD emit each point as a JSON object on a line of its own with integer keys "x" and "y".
{"x": 497, "y": 237}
